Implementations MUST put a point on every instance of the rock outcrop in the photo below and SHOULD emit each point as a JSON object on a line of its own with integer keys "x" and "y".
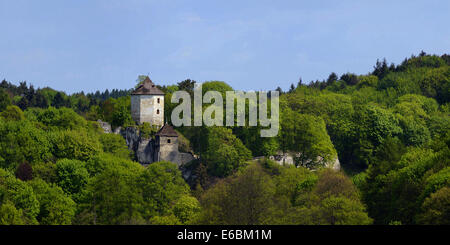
{"x": 149, "y": 150}
{"x": 105, "y": 126}
{"x": 285, "y": 158}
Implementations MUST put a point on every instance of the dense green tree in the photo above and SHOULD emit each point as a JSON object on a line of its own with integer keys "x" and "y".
{"x": 45, "y": 171}
{"x": 112, "y": 197}
{"x": 186, "y": 209}
{"x": 72, "y": 176}
{"x": 56, "y": 208}
{"x": 332, "y": 78}
{"x": 9, "y": 215}
{"x": 73, "y": 144}
{"x": 21, "y": 141}
{"x": 21, "y": 196}
{"x": 122, "y": 112}
{"x": 338, "y": 210}
{"x": 5, "y": 100}
{"x": 53, "y": 118}
{"x": 225, "y": 152}
{"x": 307, "y": 135}
{"x": 12, "y": 113}
{"x": 187, "y": 85}
{"x": 436, "y": 208}
{"x": 244, "y": 199}
{"x": 59, "y": 100}
{"x": 126, "y": 193}
{"x": 161, "y": 186}
{"x": 350, "y": 78}
{"x": 115, "y": 144}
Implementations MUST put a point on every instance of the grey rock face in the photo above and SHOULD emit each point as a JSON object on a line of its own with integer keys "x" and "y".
{"x": 118, "y": 130}
{"x": 145, "y": 151}
{"x": 105, "y": 126}
{"x": 132, "y": 137}
{"x": 284, "y": 158}
{"x": 148, "y": 150}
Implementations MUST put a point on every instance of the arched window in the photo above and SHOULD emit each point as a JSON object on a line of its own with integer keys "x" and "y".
{"x": 157, "y": 111}
{"x": 168, "y": 141}
{"x": 158, "y": 100}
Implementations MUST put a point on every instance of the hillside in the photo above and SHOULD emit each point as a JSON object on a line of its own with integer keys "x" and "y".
{"x": 389, "y": 128}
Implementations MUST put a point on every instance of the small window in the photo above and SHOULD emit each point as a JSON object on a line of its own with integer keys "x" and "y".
{"x": 168, "y": 141}
{"x": 158, "y": 100}
{"x": 157, "y": 111}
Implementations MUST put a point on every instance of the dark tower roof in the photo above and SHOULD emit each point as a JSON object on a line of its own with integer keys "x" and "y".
{"x": 147, "y": 88}
{"x": 167, "y": 130}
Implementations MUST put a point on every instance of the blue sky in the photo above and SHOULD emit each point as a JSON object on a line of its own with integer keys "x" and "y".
{"x": 252, "y": 45}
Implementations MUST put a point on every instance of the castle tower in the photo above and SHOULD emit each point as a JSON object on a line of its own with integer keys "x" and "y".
{"x": 147, "y": 104}
{"x": 167, "y": 144}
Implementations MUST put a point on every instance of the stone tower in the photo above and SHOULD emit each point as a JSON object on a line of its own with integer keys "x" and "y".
{"x": 147, "y": 104}
{"x": 167, "y": 144}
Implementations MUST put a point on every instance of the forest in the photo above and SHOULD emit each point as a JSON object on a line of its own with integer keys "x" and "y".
{"x": 389, "y": 128}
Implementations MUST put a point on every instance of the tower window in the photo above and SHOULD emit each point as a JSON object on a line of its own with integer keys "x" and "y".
{"x": 157, "y": 111}
{"x": 168, "y": 141}
{"x": 158, "y": 100}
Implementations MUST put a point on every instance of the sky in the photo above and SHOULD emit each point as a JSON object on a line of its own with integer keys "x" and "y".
{"x": 89, "y": 45}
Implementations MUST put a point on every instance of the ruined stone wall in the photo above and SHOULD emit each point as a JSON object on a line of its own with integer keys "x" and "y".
{"x": 168, "y": 151}
{"x": 135, "y": 108}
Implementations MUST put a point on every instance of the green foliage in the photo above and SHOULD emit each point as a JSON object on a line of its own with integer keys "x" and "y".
{"x": 112, "y": 197}
{"x": 122, "y": 112}
{"x": 20, "y": 141}
{"x": 45, "y": 171}
{"x": 19, "y": 199}
{"x": 72, "y": 176}
{"x": 225, "y": 152}
{"x": 290, "y": 196}
{"x": 397, "y": 190}
{"x": 436, "y": 181}
{"x": 164, "y": 220}
{"x": 9, "y": 215}
{"x": 436, "y": 208}
{"x": 123, "y": 192}
{"x": 12, "y": 113}
{"x": 117, "y": 111}
{"x": 5, "y": 100}
{"x": 270, "y": 147}
{"x": 102, "y": 161}
{"x": 390, "y": 130}
{"x": 244, "y": 199}
{"x": 368, "y": 81}
{"x": 334, "y": 200}
{"x": 62, "y": 118}
{"x": 218, "y": 86}
{"x": 56, "y": 208}
{"x": 374, "y": 125}
{"x": 161, "y": 185}
{"x": 74, "y": 145}
{"x": 115, "y": 144}
{"x": 186, "y": 209}
{"x": 294, "y": 182}
{"x": 307, "y": 135}
{"x": 342, "y": 211}
{"x": 184, "y": 145}
{"x": 147, "y": 131}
